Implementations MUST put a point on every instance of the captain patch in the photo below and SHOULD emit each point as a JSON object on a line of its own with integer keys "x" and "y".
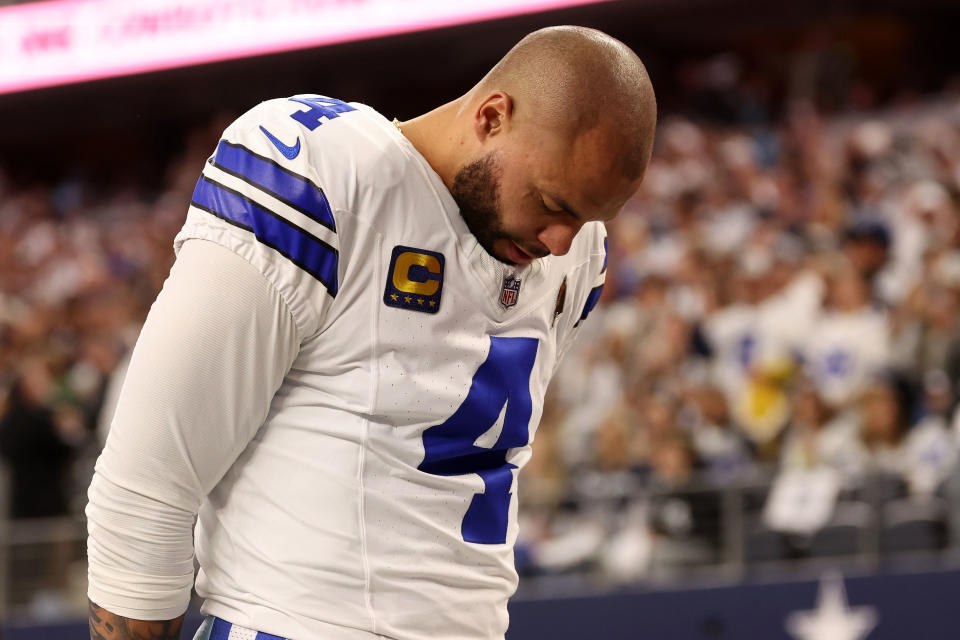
{"x": 414, "y": 280}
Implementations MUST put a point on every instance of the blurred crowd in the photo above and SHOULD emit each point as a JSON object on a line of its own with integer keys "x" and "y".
{"x": 780, "y": 307}
{"x": 80, "y": 265}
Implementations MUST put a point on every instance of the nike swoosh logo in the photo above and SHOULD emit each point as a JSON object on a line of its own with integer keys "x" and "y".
{"x": 288, "y": 152}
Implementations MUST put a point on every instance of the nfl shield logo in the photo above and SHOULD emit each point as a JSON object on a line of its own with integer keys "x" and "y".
{"x": 510, "y": 291}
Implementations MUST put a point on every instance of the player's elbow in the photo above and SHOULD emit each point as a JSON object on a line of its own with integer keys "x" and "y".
{"x": 139, "y": 551}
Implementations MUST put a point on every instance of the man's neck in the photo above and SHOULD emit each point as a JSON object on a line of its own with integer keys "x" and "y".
{"x": 436, "y": 137}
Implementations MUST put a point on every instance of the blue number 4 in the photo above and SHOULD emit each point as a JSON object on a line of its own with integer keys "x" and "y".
{"x": 450, "y": 449}
{"x": 319, "y": 107}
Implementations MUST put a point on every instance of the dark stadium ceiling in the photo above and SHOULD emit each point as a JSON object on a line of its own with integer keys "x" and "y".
{"x": 405, "y": 75}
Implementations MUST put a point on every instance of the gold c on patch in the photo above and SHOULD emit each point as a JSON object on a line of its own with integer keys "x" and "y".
{"x": 414, "y": 279}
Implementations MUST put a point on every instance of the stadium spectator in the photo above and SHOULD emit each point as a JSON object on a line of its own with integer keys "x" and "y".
{"x": 820, "y": 435}
{"x": 682, "y": 515}
{"x": 723, "y": 453}
{"x": 850, "y": 343}
{"x": 37, "y": 443}
{"x": 921, "y": 457}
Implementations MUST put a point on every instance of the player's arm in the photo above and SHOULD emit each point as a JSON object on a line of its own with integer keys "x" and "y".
{"x": 214, "y": 350}
{"x": 109, "y": 626}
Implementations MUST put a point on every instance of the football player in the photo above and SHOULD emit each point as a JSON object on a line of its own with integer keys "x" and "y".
{"x": 344, "y": 370}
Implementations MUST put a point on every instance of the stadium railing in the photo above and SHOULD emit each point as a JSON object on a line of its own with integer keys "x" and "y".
{"x": 873, "y": 526}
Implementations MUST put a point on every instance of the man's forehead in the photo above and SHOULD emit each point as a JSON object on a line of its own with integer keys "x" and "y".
{"x": 582, "y": 173}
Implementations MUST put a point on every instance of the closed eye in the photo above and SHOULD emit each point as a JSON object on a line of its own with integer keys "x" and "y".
{"x": 549, "y": 209}
{"x": 560, "y": 206}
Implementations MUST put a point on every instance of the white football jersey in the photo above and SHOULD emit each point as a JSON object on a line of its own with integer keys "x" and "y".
{"x": 750, "y": 338}
{"x": 378, "y": 496}
{"x": 845, "y": 352}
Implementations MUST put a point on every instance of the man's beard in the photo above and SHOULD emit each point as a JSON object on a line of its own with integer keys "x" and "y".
{"x": 476, "y": 189}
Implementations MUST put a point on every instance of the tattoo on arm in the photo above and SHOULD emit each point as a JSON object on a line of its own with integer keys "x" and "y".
{"x": 108, "y": 626}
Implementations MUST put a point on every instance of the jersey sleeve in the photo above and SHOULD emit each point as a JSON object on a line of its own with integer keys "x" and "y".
{"x": 596, "y": 273}
{"x": 588, "y": 285}
{"x": 260, "y": 196}
{"x": 215, "y": 348}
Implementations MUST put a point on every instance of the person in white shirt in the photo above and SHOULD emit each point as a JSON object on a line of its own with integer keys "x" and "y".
{"x": 849, "y": 345}
{"x": 819, "y": 437}
{"x": 347, "y": 364}
{"x": 922, "y": 456}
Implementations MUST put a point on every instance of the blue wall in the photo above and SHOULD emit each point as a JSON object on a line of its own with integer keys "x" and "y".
{"x": 922, "y": 606}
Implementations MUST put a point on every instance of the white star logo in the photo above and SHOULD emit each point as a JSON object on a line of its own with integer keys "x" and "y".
{"x": 833, "y": 618}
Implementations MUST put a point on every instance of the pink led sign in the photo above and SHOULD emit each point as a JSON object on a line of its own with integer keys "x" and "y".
{"x": 65, "y": 41}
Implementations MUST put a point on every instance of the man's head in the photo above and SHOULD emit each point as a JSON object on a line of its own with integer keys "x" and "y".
{"x": 559, "y": 133}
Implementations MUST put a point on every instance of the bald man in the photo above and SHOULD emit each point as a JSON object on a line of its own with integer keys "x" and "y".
{"x": 344, "y": 371}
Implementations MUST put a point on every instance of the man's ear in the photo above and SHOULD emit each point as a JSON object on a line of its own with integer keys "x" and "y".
{"x": 493, "y": 116}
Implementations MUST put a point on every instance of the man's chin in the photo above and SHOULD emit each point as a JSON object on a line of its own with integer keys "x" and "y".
{"x": 495, "y": 249}
{"x": 511, "y": 253}
{"x": 499, "y": 257}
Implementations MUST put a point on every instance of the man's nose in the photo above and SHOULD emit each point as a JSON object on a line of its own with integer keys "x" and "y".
{"x": 558, "y": 237}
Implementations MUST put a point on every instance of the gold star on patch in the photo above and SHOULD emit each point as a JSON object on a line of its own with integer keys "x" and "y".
{"x": 433, "y": 303}
{"x": 420, "y": 301}
{"x": 394, "y": 297}
{"x": 407, "y": 299}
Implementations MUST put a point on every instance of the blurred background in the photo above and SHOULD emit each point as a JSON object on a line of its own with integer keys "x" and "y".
{"x": 757, "y": 433}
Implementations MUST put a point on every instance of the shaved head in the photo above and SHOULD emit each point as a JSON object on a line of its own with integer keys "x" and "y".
{"x": 557, "y": 135}
{"x": 573, "y": 79}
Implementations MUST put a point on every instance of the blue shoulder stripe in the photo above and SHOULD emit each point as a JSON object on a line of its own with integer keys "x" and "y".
{"x": 281, "y": 183}
{"x": 303, "y": 249}
{"x": 592, "y": 299}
